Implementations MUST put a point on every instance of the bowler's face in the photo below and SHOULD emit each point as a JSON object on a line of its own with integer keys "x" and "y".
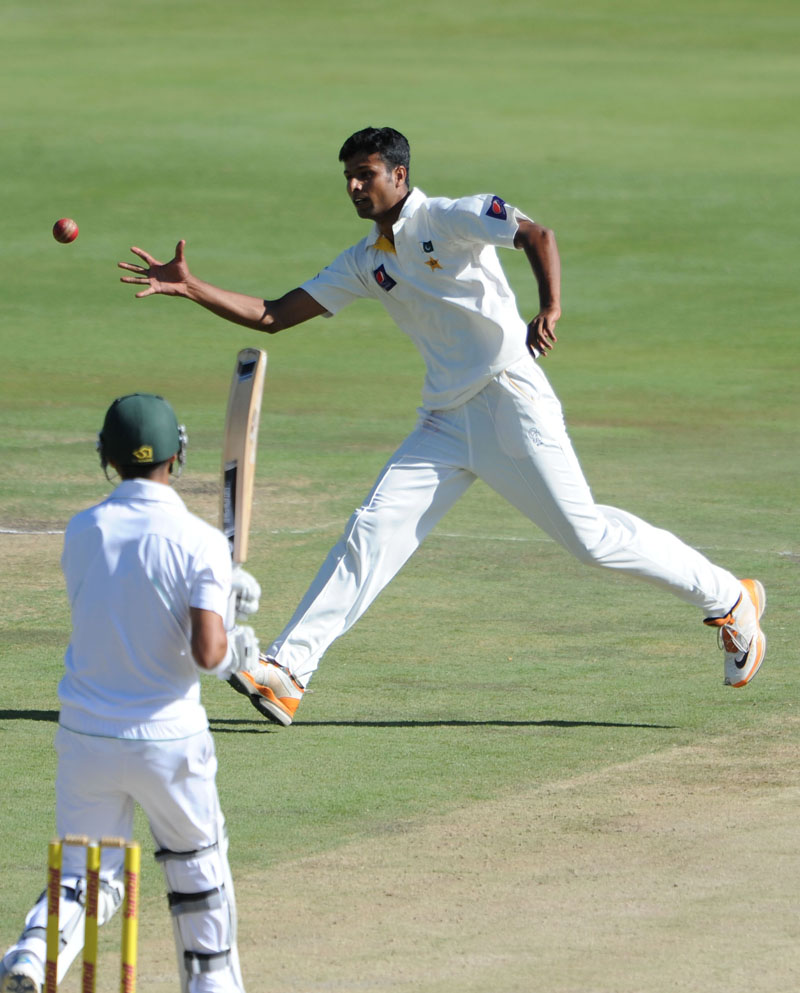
{"x": 374, "y": 187}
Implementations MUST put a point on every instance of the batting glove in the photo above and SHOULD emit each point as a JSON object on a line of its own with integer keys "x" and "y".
{"x": 244, "y": 646}
{"x": 247, "y": 591}
{"x": 242, "y": 652}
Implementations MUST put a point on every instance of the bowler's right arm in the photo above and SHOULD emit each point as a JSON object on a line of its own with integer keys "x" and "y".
{"x": 174, "y": 279}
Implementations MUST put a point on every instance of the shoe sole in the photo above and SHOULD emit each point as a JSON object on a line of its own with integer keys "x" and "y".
{"x": 16, "y": 983}
{"x": 758, "y": 595}
{"x": 272, "y": 710}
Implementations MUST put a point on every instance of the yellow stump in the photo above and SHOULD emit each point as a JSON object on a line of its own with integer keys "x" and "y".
{"x": 130, "y": 918}
{"x": 89, "y": 975}
{"x": 130, "y": 911}
{"x": 53, "y": 901}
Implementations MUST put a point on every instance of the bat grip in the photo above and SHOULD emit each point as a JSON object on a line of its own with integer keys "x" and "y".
{"x": 230, "y": 615}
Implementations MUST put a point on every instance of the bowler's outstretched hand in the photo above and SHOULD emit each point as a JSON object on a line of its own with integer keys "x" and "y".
{"x": 169, "y": 278}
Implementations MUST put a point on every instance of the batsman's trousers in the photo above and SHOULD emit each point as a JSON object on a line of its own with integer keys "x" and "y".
{"x": 174, "y": 780}
{"x": 512, "y": 436}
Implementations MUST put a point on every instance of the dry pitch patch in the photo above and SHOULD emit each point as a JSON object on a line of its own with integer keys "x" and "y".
{"x": 678, "y": 871}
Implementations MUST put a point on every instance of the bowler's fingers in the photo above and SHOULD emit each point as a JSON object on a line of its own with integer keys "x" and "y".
{"x": 540, "y": 336}
{"x": 145, "y": 256}
{"x": 547, "y": 336}
{"x": 143, "y": 270}
{"x": 139, "y": 281}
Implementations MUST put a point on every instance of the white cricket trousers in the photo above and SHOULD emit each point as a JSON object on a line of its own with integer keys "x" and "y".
{"x": 174, "y": 781}
{"x": 100, "y": 779}
{"x": 512, "y": 436}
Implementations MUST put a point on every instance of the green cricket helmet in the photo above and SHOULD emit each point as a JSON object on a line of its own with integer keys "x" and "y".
{"x": 140, "y": 429}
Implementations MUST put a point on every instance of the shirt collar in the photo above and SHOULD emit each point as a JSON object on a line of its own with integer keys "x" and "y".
{"x": 145, "y": 489}
{"x": 413, "y": 200}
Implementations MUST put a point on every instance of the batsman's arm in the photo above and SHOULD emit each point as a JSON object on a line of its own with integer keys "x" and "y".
{"x": 539, "y": 245}
{"x": 219, "y": 652}
{"x": 175, "y": 279}
{"x": 209, "y": 640}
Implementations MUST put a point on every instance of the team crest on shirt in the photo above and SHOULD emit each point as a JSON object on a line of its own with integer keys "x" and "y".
{"x": 432, "y": 263}
{"x": 383, "y": 279}
{"x": 497, "y": 209}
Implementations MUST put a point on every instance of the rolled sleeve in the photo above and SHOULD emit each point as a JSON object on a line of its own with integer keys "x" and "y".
{"x": 211, "y": 582}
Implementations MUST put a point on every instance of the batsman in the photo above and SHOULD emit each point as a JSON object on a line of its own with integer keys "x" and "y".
{"x": 488, "y": 412}
{"x": 148, "y": 585}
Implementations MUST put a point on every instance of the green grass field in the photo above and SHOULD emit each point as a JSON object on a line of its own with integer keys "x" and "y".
{"x": 513, "y": 774}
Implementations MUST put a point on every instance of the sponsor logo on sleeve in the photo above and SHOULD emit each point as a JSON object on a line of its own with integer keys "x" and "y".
{"x": 383, "y": 279}
{"x": 497, "y": 209}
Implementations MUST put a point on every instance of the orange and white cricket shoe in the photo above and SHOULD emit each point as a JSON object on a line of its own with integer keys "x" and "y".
{"x": 271, "y": 689}
{"x": 740, "y": 634}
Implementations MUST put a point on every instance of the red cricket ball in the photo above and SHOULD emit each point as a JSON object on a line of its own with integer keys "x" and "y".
{"x": 65, "y": 230}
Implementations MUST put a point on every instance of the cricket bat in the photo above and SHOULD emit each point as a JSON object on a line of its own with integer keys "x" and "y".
{"x": 239, "y": 453}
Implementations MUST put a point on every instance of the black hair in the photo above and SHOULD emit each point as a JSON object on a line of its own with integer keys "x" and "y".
{"x": 392, "y": 146}
{"x": 140, "y": 471}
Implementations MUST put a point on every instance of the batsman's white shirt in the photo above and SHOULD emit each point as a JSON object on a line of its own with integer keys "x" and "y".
{"x": 443, "y": 286}
{"x": 134, "y": 565}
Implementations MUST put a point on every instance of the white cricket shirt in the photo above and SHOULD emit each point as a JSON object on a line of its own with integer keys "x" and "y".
{"x": 443, "y": 286}
{"x": 134, "y": 565}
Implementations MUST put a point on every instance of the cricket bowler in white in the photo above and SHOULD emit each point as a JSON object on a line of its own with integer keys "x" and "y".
{"x": 148, "y": 585}
{"x": 488, "y": 412}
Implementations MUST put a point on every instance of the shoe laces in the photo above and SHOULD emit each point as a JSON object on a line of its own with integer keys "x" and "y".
{"x": 731, "y": 640}
{"x": 266, "y": 660}
{"x": 730, "y": 636}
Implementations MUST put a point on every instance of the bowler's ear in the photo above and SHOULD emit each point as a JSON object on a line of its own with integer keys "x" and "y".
{"x": 400, "y": 175}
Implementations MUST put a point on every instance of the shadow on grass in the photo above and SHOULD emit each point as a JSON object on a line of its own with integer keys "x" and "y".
{"x": 253, "y": 724}
{"x": 231, "y": 725}
{"x": 29, "y": 715}
{"x": 491, "y": 724}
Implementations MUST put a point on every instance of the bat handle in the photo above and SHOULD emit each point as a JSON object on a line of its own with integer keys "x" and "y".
{"x": 230, "y": 617}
